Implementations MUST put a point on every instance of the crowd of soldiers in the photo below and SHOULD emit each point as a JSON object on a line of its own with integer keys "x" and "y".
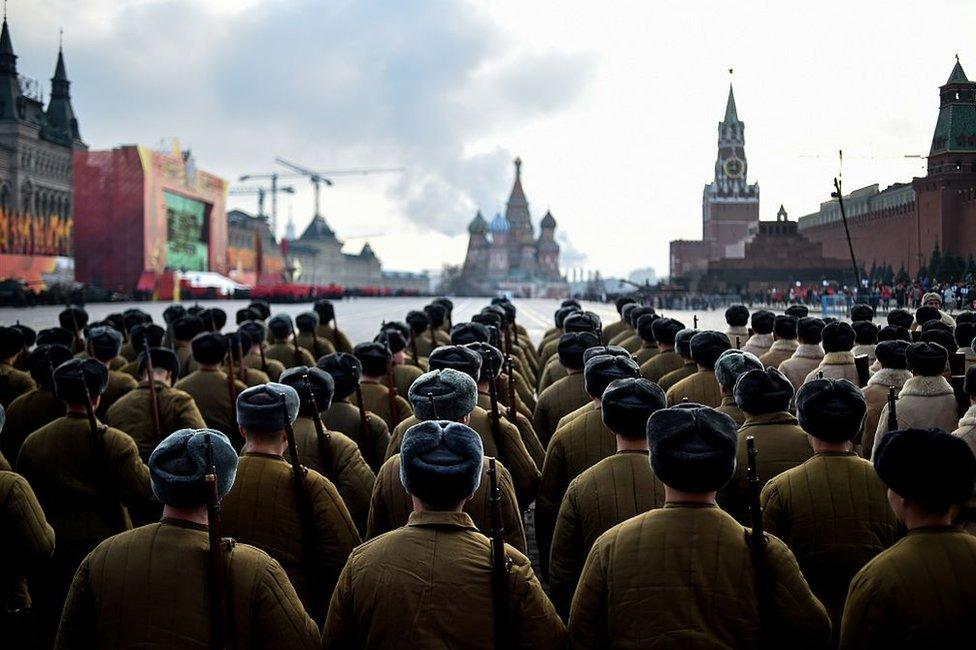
{"x": 791, "y": 482}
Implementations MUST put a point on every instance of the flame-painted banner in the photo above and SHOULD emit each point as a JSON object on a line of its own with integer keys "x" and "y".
{"x": 27, "y": 234}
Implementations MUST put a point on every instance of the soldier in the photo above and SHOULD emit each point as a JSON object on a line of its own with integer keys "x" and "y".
{"x": 420, "y": 343}
{"x": 171, "y": 314}
{"x": 965, "y": 333}
{"x": 140, "y": 337}
{"x": 13, "y": 382}
{"x": 214, "y": 319}
{"x": 567, "y": 394}
{"x": 926, "y": 400}
{"x": 445, "y": 394}
{"x": 784, "y": 342}
{"x": 375, "y": 360}
{"x": 865, "y": 339}
{"x": 731, "y": 365}
{"x": 38, "y": 406}
{"x": 29, "y": 545}
{"x": 491, "y": 364}
{"x": 74, "y": 319}
{"x": 682, "y": 345}
{"x": 589, "y": 353}
{"x": 645, "y": 330}
{"x": 633, "y": 342}
{"x": 831, "y": 510}
{"x": 702, "y": 387}
{"x": 396, "y": 339}
{"x": 310, "y": 534}
{"x": 210, "y": 387}
{"x": 559, "y": 318}
{"x": 84, "y": 474}
{"x": 554, "y": 370}
{"x": 893, "y": 373}
{"x": 764, "y": 396}
{"x": 808, "y": 353}
{"x": 240, "y": 344}
{"x": 504, "y": 443}
{"x": 176, "y": 408}
{"x": 284, "y": 347}
{"x": 160, "y": 571}
{"x": 694, "y": 559}
{"x": 307, "y": 324}
{"x": 368, "y": 430}
{"x": 184, "y": 331}
{"x": 104, "y": 344}
{"x": 617, "y": 488}
{"x": 932, "y": 300}
{"x": 761, "y": 337}
{"x": 615, "y": 328}
{"x": 262, "y": 307}
{"x": 579, "y": 445}
{"x": 920, "y": 592}
{"x": 737, "y": 318}
{"x": 666, "y": 360}
{"x": 30, "y": 337}
{"x": 900, "y": 318}
{"x": 255, "y": 357}
{"x": 628, "y": 329}
{"x": 838, "y": 360}
{"x": 437, "y": 316}
{"x": 862, "y": 313}
{"x": 332, "y": 454}
{"x": 797, "y": 311}
{"x": 328, "y": 328}
{"x": 438, "y": 564}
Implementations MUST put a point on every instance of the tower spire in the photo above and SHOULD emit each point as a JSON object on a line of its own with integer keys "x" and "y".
{"x": 518, "y": 168}
{"x": 731, "y": 115}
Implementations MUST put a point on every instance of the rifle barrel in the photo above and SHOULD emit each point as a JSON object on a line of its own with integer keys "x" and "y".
{"x": 217, "y": 570}
{"x": 499, "y": 569}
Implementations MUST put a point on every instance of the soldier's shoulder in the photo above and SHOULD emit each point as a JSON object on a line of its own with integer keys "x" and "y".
{"x": 13, "y": 484}
{"x": 123, "y": 377}
{"x": 23, "y": 401}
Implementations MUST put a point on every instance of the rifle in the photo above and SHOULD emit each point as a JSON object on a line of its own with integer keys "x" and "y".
{"x": 294, "y": 342}
{"x": 363, "y": 420}
{"x": 335, "y": 331}
{"x": 241, "y": 367}
{"x": 499, "y": 563}
{"x": 508, "y": 340}
{"x": 738, "y": 345}
{"x": 863, "y": 371}
{"x": 758, "y": 539}
{"x": 303, "y": 504}
{"x": 510, "y": 373}
{"x": 957, "y": 365}
{"x": 892, "y": 409}
{"x": 97, "y": 432}
{"x": 433, "y": 339}
{"x": 321, "y": 436}
{"x": 216, "y": 568}
{"x": 413, "y": 349}
{"x": 264, "y": 361}
{"x": 153, "y": 398}
{"x": 695, "y": 322}
{"x": 391, "y": 392}
{"x": 493, "y": 396}
{"x": 231, "y": 386}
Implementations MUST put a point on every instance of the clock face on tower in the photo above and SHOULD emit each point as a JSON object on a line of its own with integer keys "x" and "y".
{"x": 734, "y": 168}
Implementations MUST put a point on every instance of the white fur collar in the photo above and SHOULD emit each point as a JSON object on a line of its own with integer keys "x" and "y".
{"x": 863, "y": 349}
{"x": 784, "y": 345}
{"x": 838, "y": 359}
{"x": 969, "y": 418}
{"x": 890, "y": 377}
{"x": 926, "y": 387}
{"x": 809, "y": 351}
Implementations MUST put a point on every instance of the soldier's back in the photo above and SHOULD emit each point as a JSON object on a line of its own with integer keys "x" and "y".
{"x": 132, "y": 414}
{"x": 373, "y": 442}
{"x": 337, "y": 338}
{"x": 661, "y": 364}
{"x": 615, "y": 489}
{"x": 13, "y": 384}
{"x": 148, "y": 588}
{"x": 692, "y": 561}
{"x": 700, "y": 388}
{"x": 670, "y": 379}
{"x": 288, "y": 355}
{"x": 404, "y": 374}
{"x": 920, "y": 593}
{"x": 391, "y": 504}
{"x": 407, "y": 588}
{"x": 261, "y": 510}
{"x": 378, "y": 400}
{"x": 779, "y": 351}
{"x": 832, "y": 511}
{"x": 559, "y": 399}
{"x": 271, "y": 367}
{"x": 805, "y": 359}
{"x": 27, "y": 414}
{"x": 210, "y": 389}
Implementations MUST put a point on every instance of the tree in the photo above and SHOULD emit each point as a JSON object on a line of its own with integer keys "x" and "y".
{"x": 923, "y": 273}
{"x": 888, "y": 275}
{"x": 971, "y": 266}
{"x": 935, "y": 263}
{"x": 902, "y": 277}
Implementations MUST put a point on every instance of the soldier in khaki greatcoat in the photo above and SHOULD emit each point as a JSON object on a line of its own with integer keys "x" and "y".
{"x": 690, "y": 559}
{"x": 701, "y": 387}
{"x": 210, "y": 387}
{"x": 284, "y": 347}
{"x": 333, "y": 454}
{"x": 553, "y": 369}
{"x": 838, "y": 360}
{"x": 396, "y": 337}
{"x": 376, "y": 361}
{"x": 83, "y": 479}
{"x": 160, "y": 572}
{"x": 831, "y": 510}
{"x": 649, "y": 347}
{"x": 617, "y": 488}
{"x": 312, "y": 541}
{"x": 761, "y": 338}
{"x": 682, "y": 345}
{"x": 611, "y": 330}
{"x": 13, "y": 382}
{"x": 444, "y": 394}
{"x": 103, "y": 345}
{"x": 808, "y": 354}
{"x": 737, "y": 319}
{"x": 764, "y": 396}
{"x": 38, "y": 406}
{"x": 184, "y": 329}
{"x": 567, "y": 394}
{"x": 429, "y": 583}
{"x": 784, "y": 342}
{"x": 307, "y": 324}
{"x": 921, "y": 591}
{"x": 731, "y": 365}
{"x": 254, "y": 356}
{"x": 667, "y": 359}
{"x": 579, "y": 445}
{"x": 328, "y": 328}
{"x": 368, "y": 430}
{"x": 892, "y": 372}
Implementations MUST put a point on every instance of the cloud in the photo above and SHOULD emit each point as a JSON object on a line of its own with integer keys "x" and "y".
{"x": 339, "y": 83}
{"x": 569, "y": 255}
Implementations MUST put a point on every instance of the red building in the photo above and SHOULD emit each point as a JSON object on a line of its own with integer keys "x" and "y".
{"x": 902, "y": 224}
{"x": 141, "y": 214}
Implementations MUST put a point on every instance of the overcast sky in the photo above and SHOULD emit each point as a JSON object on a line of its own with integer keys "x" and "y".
{"x": 612, "y": 106}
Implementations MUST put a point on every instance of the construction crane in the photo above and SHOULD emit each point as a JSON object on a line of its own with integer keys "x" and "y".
{"x": 261, "y": 193}
{"x": 319, "y": 177}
